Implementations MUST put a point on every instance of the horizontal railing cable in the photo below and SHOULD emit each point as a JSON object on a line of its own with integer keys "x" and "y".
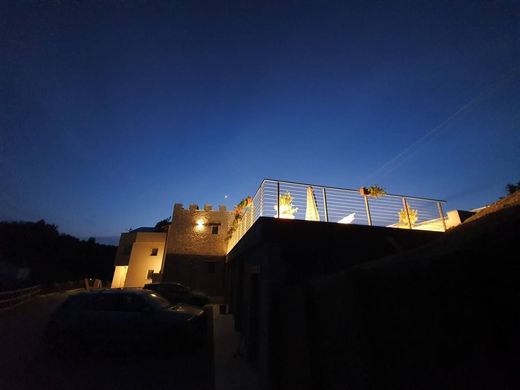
{"x": 305, "y": 201}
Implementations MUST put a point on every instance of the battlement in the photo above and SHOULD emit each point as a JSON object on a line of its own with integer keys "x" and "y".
{"x": 199, "y": 231}
{"x": 195, "y": 207}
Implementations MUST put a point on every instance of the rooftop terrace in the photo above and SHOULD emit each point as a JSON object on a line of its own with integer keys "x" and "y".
{"x": 317, "y": 203}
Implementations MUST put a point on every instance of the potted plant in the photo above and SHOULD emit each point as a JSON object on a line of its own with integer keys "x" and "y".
{"x": 374, "y": 191}
{"x": 403, "y": 216}
{"x": 239, "y": 211}
{"x": 287, "y": 210}
{"x": 363, "y": 191}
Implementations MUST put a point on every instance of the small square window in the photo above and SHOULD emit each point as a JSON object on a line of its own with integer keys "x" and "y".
{"x": 214, "y": 229}
{"x": 154, "y": 251}
{"x": 150, "y": 274}
{"x": 211, "y": 267}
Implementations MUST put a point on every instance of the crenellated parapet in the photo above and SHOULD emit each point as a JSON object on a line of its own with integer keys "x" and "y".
{"x": 195, "y": 207}
{"x": 199, "y": 230}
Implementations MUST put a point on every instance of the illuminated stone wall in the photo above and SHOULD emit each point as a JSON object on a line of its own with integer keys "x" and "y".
{"x": 196, "y": 248}
{"x": 192, "y": 231}
{"x": 192, "y": 251}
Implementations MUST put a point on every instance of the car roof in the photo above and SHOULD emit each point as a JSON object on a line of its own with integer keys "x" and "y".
{"x": 126, "y": 290}
{"x": 114, "y": 291}
{"x": 165, "y": 284}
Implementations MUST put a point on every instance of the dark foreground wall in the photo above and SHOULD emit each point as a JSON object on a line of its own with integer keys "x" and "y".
{"x": 450, "y": 322}
{"x": 276, "y": 255}
{"x": 444, "y": 317}
{"x": 203, "y": 273}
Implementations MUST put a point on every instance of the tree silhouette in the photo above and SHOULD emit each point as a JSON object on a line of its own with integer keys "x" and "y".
{"x": 159, "y": 226}
{"x": 512, "y": 188}
{"x": 51, "y": 256}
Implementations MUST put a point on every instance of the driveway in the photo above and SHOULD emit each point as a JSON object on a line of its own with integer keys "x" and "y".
{"x": 25, "y": 362}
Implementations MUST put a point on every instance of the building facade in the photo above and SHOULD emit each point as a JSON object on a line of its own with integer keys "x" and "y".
{"x": 190, "y": 250}
{"x": 139, "y": 256}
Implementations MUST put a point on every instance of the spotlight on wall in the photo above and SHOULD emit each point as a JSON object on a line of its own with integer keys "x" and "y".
{"x": 200, "y": 224}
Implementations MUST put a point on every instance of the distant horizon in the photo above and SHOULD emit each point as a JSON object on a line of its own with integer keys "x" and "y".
{"x": 114, "y": 239}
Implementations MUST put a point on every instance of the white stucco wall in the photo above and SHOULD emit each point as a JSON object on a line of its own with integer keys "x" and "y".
{"x": 119, "y": 276}
{"x": 141, "y": 259}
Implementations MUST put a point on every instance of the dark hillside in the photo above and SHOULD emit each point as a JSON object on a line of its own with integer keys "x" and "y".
{"x": 51, "y": 256}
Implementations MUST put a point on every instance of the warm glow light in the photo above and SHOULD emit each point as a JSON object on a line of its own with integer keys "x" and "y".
{"x": 200, "y": 224}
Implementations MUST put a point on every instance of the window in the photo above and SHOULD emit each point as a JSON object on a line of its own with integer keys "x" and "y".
{"x": 118, "y": 302}
{"x": 154, "y": 251}
{"x": 109, "y": 302}
{"x": 150, "y": 274}
{"x": 214, "y": 229}
{"x": 132, "y": 303}
{"x": 211, "y": 267}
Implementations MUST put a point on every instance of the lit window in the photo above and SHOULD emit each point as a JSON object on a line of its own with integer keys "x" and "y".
{"x": 154, "y": 251}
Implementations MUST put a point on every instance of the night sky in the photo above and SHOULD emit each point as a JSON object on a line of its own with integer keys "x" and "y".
{"x": 112, "y": 111}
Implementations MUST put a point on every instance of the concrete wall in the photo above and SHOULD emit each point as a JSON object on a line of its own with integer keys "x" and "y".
{"x": 435, "y": 316}
{"x": 119, "y": 278}
{"x": 125, "y": 248}
{"x": 435, "y": 323}
{"x": 142, "y": 259}
{"x": 285, "y": 253}
{"x": 456, "y": 217}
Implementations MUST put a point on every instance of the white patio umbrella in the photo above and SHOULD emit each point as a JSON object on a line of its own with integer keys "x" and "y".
{"x": 311, "y": 212}
{"x": 348, "y": 219}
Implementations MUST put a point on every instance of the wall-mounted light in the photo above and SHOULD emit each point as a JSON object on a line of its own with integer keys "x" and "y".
{"x": 200, "y": 224}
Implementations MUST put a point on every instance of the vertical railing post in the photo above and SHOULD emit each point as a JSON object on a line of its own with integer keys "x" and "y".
{"x": 262, "y": 198}
{"x": 405, "y": 206}
{"x": 278, "y": 199}
{"x": 441, "y": 213}
{"x": 325, "y": 208}
{"x": 367, "y": 208}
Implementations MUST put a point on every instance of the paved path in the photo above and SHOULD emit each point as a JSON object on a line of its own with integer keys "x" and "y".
{"x": 232, "y": 372}
{"x": 25, "y": 362}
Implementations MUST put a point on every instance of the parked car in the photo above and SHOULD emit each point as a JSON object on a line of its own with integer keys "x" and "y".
{"x": 178, "y": 293}
{"x": 123, "y": 319}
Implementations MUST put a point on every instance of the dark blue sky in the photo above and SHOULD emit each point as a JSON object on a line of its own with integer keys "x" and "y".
{"x": 110, "y": 112}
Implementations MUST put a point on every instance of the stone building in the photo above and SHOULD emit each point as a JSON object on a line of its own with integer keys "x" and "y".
{"x": 190, "y": 250}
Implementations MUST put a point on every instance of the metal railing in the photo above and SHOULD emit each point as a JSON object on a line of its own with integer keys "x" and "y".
{"x": 290, "y": 200}
{"x": 9, "y": 299}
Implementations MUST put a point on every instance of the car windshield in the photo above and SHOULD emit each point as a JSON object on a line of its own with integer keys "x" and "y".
{"x": 159, "y": 301}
